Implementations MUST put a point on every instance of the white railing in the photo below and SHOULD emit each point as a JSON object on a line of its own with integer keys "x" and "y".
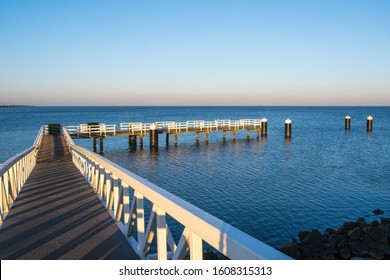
{"x": 125, "y": 194}
{"x": 194, "y": 124}
{"x": 92, "y": 130}
{"x": 14, "y": 173}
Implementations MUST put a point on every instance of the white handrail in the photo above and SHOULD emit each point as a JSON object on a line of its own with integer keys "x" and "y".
{"x": 123, "y": 193}
{"x": 177, "y": 127}
{"x": 14, "y": 173}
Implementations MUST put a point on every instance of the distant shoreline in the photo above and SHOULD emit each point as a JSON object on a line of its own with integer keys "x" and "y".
{"x": 1, "y": 106}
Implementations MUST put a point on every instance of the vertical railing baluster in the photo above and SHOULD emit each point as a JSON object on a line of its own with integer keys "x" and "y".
{"x": 140, "y": 219}
{"x": 126, "y": 208}
{"x": 196, "y": 247}
{"x": 116, "y": 196}
{"x": 101, "y": 182}
{"x": 162, "y": 232}
{"x": 108, "y": 191}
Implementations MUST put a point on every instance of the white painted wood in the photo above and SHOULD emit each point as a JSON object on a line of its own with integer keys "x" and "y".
{"x": 149, "y": 235}
{"x": 196, "y": 247}
{"x": 162, "y": 234}
{"x": 183, "y": 246}
{"x": 126, "y": 208}
{"x": 140, "y": 218}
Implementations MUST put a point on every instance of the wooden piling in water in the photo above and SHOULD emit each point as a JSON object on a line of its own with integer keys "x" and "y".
{"x": 133, "y": 141}
{"x": 257, "y": 134}
{"x": 287, "y": 128}
{"x": 197, "y": 137}
{"x": 207, "y": 137}
{"x": 264, "y": 127}
{"x": 153, "y": 136}
{"x": 224, "y": 135}
{"x": 101, "y": 144}
{"x": 369, "y": 123}
{"x": 248, "y": 134}
{"x": 175, "y": 140}
{"x": 347, "y": 122}
{"x": 234, "y": 135}
{"x": 94, "y": 144}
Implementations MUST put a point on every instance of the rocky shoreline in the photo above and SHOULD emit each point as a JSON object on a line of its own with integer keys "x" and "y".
{"x": 353, "y": 240}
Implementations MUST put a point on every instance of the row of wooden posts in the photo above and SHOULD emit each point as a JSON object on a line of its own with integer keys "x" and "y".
{"x": 154, "y": 133}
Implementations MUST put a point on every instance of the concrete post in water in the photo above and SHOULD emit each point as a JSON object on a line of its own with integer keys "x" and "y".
{"x": 264, "y": 127}
{"x": 287, "y": 128}
{"x": 101, "y": 144}
{"x": 347, "y": 122}
{"x": 153, "y": 136}
{"x": 133, "y": 141}
{"x": 369, "y": 123}
{"x": 234, "y": 135}
{"x": 94, "y": 144}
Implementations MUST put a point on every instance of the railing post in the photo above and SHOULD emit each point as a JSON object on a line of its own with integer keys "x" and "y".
{"x": 140, "y": 219}
{"x": 162, "y": 253}
{"x": 196, "y": 247}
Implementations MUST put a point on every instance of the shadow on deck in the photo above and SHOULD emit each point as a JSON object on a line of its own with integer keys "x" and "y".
{"x": 57, "y": 215}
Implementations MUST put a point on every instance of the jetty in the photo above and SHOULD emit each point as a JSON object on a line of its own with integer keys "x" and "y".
{"x": 136, "y": 131}
{"x": 62, "y": 201}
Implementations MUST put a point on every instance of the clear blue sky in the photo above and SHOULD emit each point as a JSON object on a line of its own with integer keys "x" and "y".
{"x": 199, "y": 52}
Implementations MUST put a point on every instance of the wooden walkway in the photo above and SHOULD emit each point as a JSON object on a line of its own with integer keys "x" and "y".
{"x": 57, "y": 215}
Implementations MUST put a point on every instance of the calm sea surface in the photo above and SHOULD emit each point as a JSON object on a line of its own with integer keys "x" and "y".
{"x": 270, "y": 188}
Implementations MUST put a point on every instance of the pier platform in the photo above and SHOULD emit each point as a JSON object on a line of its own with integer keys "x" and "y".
{"x": 57, "y": 215}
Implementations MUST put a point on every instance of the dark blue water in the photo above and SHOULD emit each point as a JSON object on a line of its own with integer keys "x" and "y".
{"x": 270, "y": 188}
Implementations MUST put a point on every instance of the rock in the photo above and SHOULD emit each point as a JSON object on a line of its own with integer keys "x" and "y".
{"x": 314, "y": 237}
{"x": 335, "y": 239}
{"x": 345, "y": 253}
{"x": 378, "y": 212}
{"x": 361, "y": 221}
{"x": 312, "y": 251}
{"x": 376, "y": 254}
{"x": 303, "y": 234}
{"x": 351, "y": 225}
{"x": 341, "y": 230}
{"x": 375, "y": 223}
{"x": 292, "y": 250}
{"x": 378, "y": 234}
{"x": 358, "y": 248}
{"x": 385, "y": 220}
{"x": 354, "y": 234}
{"x": 329, "y": 231}
{"x": 360, "y": 259}
{"x": 343, "y": 244}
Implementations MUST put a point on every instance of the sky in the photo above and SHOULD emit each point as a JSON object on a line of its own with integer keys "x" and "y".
{"x": 194, "y": 52}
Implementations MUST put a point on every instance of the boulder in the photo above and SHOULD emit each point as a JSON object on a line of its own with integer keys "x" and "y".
{"x": 303, "y": 234}
{"x": 314, "y": 237}
{"x": 376, "y": 254}
{"x": 354, "y": 234}
{"x": 385, "y": 220}
{"x": 351, "y": 225}
{"x": 378, "y": 212}
{"x": 345, "y": 253}
{"x": 292, "y": 250}
{"x": 358, "y": 248}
